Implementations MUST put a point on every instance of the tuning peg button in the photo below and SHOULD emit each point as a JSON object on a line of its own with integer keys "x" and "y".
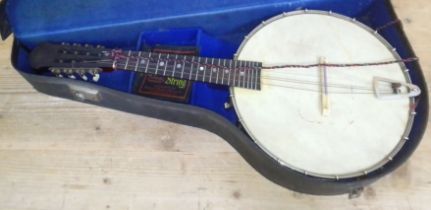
{"x": 84, "y": 77}
{"x": 96, "y": 77}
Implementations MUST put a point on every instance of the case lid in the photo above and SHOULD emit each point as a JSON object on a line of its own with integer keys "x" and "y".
{"x": 42, "y": 20}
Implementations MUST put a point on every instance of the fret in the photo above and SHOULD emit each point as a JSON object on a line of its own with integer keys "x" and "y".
{"x": 165, "y": 64}
{"x": 150, "y": 66}
{"x": 248, "y": 74}
{"x": 205, "y": 69}
{"x": 212, "y": 68}
{"x": 148, "y": 62}
{"x": 253, "y": 80}
{"x": 191, "y": 68}
{"x": 158, "y": 63}
{"x": 184, "y": 64}
{"x": 252, "y": 75}
{"x": 175, "y": 66}
{"x": 243, "y": 75}
{"x": 199, "y": 68}
{"x": 255, "y": 76}
{"x": 218, "y": 66}
{"x": 127, "y": 60}
{"x": 233, "y": 70}
{"x": 229, "y": 71}
{"x": 239, "y": 73}
{"x": 222, "y": 77}
{"x": 138, "y": 60}
{"x": 258, "y": 79}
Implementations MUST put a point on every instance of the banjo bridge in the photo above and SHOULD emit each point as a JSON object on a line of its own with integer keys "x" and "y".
{"x": 391, "y": 89}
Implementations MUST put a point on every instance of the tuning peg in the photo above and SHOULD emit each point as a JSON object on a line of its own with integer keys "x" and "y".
{"x": 96, "y": 77}
{"x": 72, "y": 76}
{"x": 82, "y": 74}
{"x": 76, "y": 44}
{"x": 87, "y": 45}
{"x": 65, "y": 43}
{"x": 84, "y": 77}
{"x": 100, "y": 46}
{"x": 68, "y": 71}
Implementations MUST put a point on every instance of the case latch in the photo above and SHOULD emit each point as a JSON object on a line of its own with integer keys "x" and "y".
{"x": 82, "y": 93}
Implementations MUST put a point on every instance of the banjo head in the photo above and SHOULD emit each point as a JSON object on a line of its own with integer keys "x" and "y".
{"x": 358, "y": 132}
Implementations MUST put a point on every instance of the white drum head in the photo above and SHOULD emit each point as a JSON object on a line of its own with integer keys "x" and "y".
{"x": 361, "y": 132}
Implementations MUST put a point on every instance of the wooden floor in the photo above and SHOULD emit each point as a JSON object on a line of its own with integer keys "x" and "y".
{"x": 59, "y": 154}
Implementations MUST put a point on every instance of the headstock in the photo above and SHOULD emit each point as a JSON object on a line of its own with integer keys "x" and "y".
{"x": 72, "y": 60}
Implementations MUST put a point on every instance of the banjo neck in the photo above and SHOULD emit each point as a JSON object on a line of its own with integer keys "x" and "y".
{"x": 84, "y": 60}
{"x": 227, "y": 72}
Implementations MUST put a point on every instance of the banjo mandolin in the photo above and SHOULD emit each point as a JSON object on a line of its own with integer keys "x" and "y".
{"x": 320, "y": 93}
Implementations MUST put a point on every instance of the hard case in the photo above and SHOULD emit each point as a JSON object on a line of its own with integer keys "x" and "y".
{"x": 216, "y": 29}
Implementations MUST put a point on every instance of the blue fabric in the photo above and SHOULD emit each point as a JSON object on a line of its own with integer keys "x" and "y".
{"x": 119, "y": 22}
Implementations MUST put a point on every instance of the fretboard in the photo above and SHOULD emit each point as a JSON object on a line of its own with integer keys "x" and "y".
{"x": 235, "y": 73}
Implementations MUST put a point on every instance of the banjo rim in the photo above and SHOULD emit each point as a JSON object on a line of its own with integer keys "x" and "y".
{"x": 394, "y": 52}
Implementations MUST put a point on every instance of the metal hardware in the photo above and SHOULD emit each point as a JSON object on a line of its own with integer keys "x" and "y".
{"x": 356, "y": 193}
{"x": 398, "y": 89}
{"x": 82, "y": 93}
{"x": 227, "y": 105}
{"x": 96, "y": 77}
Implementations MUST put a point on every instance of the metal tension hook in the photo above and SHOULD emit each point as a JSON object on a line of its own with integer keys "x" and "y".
{"x": 390, "y": 89}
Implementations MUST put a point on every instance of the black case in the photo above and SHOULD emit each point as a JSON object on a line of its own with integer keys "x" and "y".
{"x": 202, "y": 118}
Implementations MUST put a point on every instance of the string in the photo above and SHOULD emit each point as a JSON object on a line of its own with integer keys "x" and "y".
{"x": 332, "y": 91}
{"x": 389, "y": 24}
{"x": 118, "y": 54}
{"x": 306, "y": 66}
{"x": 343, "y": 65}
{"x": 335, "y": 85}
{"x": 245, "y": 83}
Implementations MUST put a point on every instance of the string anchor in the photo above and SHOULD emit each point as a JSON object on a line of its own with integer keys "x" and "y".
{"x": 398, "y": 90}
